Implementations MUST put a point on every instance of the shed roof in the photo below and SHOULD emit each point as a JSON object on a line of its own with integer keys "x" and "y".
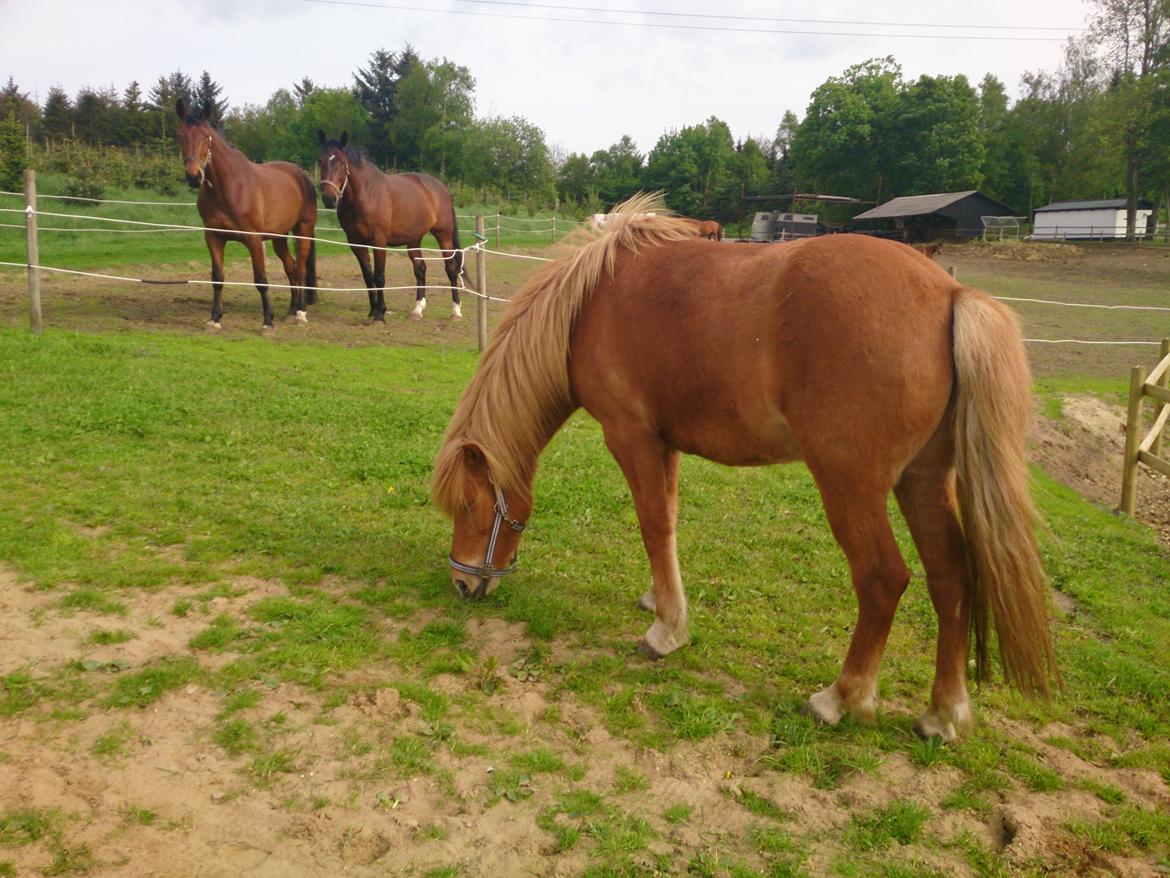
{"x": 914, "y": 205}
{"x": 1100, "y": 204}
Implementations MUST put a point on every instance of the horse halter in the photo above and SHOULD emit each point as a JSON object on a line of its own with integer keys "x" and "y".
{"x": 203, "y": 167}
{"x": 344, "y": 183}
{"x": 485, "y": 571}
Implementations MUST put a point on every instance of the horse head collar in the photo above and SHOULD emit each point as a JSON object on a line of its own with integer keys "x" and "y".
{"x": 203, "y": 167}
{"x": 486, "y": 571}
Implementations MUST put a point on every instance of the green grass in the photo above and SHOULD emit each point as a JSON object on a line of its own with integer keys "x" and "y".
{"x": 246, "y": 458}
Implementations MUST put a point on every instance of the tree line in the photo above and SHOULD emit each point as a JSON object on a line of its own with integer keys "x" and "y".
{"x": 1097, "y": 127}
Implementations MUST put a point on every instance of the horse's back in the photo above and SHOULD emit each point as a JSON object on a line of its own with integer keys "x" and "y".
{"x": 737, "y": 349}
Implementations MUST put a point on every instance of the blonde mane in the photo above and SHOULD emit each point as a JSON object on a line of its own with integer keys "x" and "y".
{"x": 520, "y": 393}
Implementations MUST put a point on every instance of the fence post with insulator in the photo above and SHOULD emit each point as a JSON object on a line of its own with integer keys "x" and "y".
{"x": 34, "y": 258}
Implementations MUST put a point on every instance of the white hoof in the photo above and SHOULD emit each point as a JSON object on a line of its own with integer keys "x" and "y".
{"x": 302, "y": 318}
{"x": 661, "y": 641}
{"x": 827, "y": 706}
{"x": 212, "y": 326}
{"x": 456, "y": 311}
{"x": 419, "y": 307}
{"x": 949, "y": 728}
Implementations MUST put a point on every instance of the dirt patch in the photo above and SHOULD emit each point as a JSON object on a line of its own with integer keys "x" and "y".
{"x": 1084, "y": 448}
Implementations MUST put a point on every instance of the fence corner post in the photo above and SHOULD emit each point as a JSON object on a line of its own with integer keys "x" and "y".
{"x": 1137, "y": 379}
{"x": 481, "y": 302}
{"x": 1164, "y": 352}
{"x": 33, "y": 250}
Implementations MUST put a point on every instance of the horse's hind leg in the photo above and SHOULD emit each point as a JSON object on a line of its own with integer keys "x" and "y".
{"x": 857, "y": 515}
{"x": 255, "y": 245}
{"x": 453, "y": 264}
{"x": 651, "y": 469}
{"x": 292, "y": 270}
{"x": 420, "y": 279}
{"x": 215, "y": 246}
{"x": 926, "y": 496}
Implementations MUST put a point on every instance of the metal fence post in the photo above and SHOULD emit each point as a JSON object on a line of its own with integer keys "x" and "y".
{"x": 34, "y": 258}
{"x": 481, "y": 303}
{"x": 1133, "y": 423}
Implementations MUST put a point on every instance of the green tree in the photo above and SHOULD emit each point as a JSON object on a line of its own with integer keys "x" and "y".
{"x": 57, "y": 116}
{"x": 13, "y": 152}
{"x": 208, "y": 93}
{"x": 15, "y": 102}
{"x": 938, "y": 146}
{"x": 376, "y": 88}
{"x": 617, "y": 171}
{"x": 265, "y": 133}
{"x": 511, "y": 155}
{"x": 575, "y": 183}
{"x": 692, "y": 166}
{"x": 436, "y": 103}
{"x": 331, "y": 110}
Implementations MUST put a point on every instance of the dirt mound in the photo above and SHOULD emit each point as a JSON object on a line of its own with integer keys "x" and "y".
{"x": 1027, "y": 251}
{"x": 1083, "y": 449}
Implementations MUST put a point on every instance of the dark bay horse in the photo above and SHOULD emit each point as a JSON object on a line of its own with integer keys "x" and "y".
{"x": 388, "y": 210}
{"x": 857, "y": 355}
{"x": 260, "y": 202}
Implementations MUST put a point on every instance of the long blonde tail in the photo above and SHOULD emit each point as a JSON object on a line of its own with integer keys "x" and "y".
{"x": 993, "y": 410}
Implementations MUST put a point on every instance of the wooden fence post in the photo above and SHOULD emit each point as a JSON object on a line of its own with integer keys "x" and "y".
{"x": 481, "y": 303}
{"x": 497, "y": 230}
{"x": 1137, "y": 379}
{"x": 1156, "y": 445}
{"x": 552, "y": 238}
{"x": 34, "y": 257}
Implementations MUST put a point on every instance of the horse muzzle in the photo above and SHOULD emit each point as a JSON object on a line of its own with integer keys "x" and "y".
{"x": 328, "y": 199}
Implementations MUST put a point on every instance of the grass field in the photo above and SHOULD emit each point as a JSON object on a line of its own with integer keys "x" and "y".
{"x": 230, "y": 639}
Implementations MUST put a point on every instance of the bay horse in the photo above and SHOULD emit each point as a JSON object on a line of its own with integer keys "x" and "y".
{"x": 928, "y": 250}
{"x": 261, "y": 202}
{"x": 381, "y": 210}
{"x": 857, "y": 355}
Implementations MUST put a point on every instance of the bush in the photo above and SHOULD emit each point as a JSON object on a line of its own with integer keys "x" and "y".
{"x": 13, "y": 154}
{"x": 85, "y": 185}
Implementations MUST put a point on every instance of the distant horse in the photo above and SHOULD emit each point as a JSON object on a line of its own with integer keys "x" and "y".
{"x": 386, "y": 210}
{"x": 874, "y": 367}
{"x": 709, "y": 229}
{"x": 261, "y": 202}
{"x": 929, "y": 250}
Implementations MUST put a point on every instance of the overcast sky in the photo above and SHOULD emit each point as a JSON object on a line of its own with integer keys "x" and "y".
{"x": 584, "y": 83}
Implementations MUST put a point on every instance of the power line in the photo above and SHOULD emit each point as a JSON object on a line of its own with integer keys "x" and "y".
{"x": 685, "y": 27}
{"x": 765, "y": 18}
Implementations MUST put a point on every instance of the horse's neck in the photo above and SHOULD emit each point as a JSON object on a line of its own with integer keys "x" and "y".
{"x": 364, "y": 180}
{"x": 226, "y": 163}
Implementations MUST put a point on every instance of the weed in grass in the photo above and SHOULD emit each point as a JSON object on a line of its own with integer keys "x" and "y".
{"x": 985, "y": 862}
{"x": 679, "y": 813}
{"x": 113, "y": 743}
{"x": 181, "y": 607}
{"x": 18, "y": 692}
{"x": 927, "y": 752}
{"x": 236, "y": 736}
{"x": 539, "y": 761}
{"x": 1103, "y": 791}
{"x": 223, "y": 632}
{"x": 757, "y": 804}
{"x": 242, "y": 700}
{"x": 770, "y": 840}
{"x": 7, "y": 869}
{"x": 151, "y": 683}
{"x": 964, "y": 798}
{"x": 412, "y": 755}
{"x": 107, "y": 638}
{"x": 94, "y": 601}
{"x": 434, "y": 704}
{"x": 266, "y": 766}
{"x": 70, "y": 860}
{"x": 1036, "y": 776}
{"x": 24, "y": 826}
{"x": 629, "y": 780}
{"x": 901, "y": 822}
{"x": 691, "y": 716}
{"x": 1131, "y": 826}
{"x": 443, "y": 872}
{"x": 433, "y": 831}
{"x": 138, "y": 816}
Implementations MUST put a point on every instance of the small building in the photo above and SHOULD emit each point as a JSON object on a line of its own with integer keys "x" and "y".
{"x": 1089, "y": 220}
{"x": 941, "y": 215}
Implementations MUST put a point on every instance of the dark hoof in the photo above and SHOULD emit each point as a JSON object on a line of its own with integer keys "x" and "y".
{"x": 647, "y": 651}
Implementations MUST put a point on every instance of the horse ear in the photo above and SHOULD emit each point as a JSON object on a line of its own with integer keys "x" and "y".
{"x": 474, "y": 457}
{"x": 321, "y": 138}
{"x": 344, "y": 139}
{"x": 181, "y": 110}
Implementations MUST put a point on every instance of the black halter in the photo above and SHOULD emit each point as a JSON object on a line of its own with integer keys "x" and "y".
{"x": 485, "y": 571}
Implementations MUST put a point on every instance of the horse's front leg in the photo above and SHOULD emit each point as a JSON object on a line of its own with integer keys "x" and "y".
{"x": 651, "y": 469}
{"x": 255, "y": 245}
{"x": 453, "y": 264}
{"x": 380, "y": 282}
{"x": 215, "y": 245}
{"x": 293, "y": 271}
{"x": 420, "y": 279}
{"x": 363, "y": 257}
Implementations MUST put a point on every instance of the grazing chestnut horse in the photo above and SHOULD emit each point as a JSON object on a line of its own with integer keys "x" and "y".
{"x": 856, "y": 355}
{"x": 709, "y": 229}
{"x": 386, "y": 210}
{"x": 262, "y": 202}
{"x": 929, "y": 250}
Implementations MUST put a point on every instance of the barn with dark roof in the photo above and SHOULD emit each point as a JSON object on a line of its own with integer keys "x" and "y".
{"x": 941, "y": 215}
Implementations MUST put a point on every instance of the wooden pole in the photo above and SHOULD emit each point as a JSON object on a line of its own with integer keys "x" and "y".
{"x": 1137, "y": 378}
{"x": 34, "y": 257}
{"x": 497, "y": 230}
{"x": 481, "y": 286}
{"x": 552, "y": 237}
{"x": 1156, "y": 445}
